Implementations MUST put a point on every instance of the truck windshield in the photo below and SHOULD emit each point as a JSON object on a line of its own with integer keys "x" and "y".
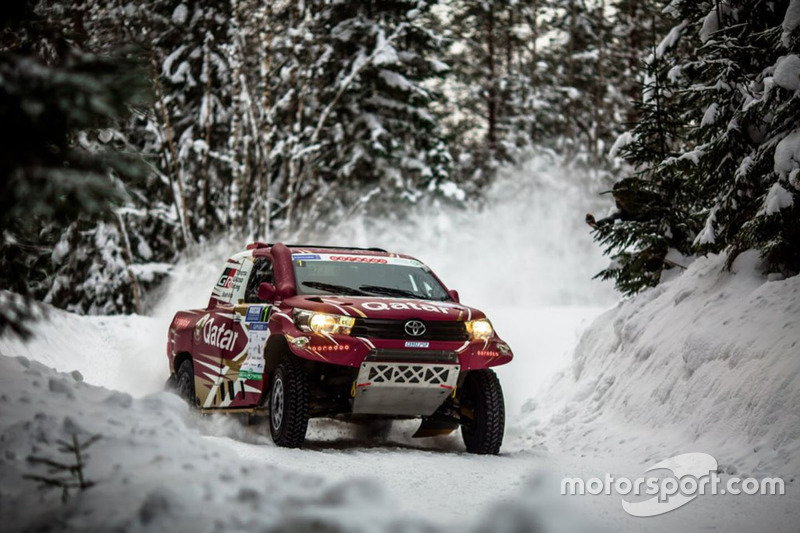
{"x": 365, "y": 275}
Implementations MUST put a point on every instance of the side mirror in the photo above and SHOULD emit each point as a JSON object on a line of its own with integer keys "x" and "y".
{"x": 454, "y": 295}
{"x": 266, "y": 291}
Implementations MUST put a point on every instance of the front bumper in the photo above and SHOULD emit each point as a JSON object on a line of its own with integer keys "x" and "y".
{"x": 346, "y": 350}
{"x": 413, "y": 389}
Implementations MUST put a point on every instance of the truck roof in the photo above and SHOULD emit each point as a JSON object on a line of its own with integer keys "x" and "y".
{"x": 306, "y": 248}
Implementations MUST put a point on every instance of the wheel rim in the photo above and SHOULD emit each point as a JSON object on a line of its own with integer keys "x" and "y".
{"x": 276, "y": 406}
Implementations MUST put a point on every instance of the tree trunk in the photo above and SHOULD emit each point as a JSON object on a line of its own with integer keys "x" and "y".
{"x": 127, "y": 256}
{"x": 176, "y": 184}
{"x": 599, "y": 89}
{"x": 491, "y": 102}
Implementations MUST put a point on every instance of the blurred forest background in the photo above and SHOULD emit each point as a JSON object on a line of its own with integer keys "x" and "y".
{"x": 136, "y": 130}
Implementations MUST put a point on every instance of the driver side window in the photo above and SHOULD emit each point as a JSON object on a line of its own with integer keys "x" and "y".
{"x": 261, "y": 273}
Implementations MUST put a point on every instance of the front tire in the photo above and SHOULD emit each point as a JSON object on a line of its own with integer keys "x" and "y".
{"x": 288, "y": 404}
{"x": 482, "y": 412}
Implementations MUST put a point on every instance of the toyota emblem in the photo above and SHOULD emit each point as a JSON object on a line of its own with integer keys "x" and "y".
{"x": 415, "y": 328}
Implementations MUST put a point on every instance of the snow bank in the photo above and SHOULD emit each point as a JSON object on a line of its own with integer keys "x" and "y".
{"x": 706, "y": 362}
{"x": 153, "y": 471}
{"x": 125, "y": 352}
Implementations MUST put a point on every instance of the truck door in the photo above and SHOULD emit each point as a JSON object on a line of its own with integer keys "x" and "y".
{"x": 220, "y": 338}
{"x": 245, "y": 378}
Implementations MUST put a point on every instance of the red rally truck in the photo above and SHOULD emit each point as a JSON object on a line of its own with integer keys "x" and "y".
{"x": 297, "y": 331}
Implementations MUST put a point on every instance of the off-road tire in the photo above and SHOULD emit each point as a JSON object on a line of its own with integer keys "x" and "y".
{"x": 184, "y": 382}
{"x": 482, "y": 397}
{"x": 288, "y": 416}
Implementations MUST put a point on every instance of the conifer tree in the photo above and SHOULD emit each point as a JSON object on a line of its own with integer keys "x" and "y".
{"x": 353, "y": 116}
{"x": 51, "y": 94}
{"x": 654, "y": 202}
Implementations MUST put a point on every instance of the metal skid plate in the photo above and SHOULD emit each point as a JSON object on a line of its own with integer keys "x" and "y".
{"x": 410, "y": 389}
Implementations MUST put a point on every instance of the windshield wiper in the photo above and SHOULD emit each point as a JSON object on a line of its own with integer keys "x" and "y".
{"x": 334, "y": 289}
{"x": 391, "y": 291}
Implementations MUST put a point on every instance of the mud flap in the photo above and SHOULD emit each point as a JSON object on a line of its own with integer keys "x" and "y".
{"x": 431, "y": 427}
{"x": 171, "y": 384}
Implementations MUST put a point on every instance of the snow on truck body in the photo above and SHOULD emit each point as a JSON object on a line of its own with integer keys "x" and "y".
{"x": 298, "y": 332}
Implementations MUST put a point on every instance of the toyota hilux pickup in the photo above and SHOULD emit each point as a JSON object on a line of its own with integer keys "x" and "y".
{"x": 293, "y": 332}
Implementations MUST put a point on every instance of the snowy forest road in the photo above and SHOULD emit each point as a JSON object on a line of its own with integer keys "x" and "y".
{"x": 445, "y": 486}
{"x": 434, "y": 480}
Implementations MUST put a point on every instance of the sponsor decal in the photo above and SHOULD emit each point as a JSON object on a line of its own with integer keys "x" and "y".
{"x": 254, "y": 376}
{"x": 182, "y": 322}
{"x": 219, "y": 335}
{"x": 403, "y": 306}
{"x": 504, "y": 348}
{"x": 345, "y": 258}
{"x": 305, "y": 257}
{"x": 198, "y": 328}
{"x": 330, "y": 348}
{"x": 239, "y": 279}
{"x": 359, "y": 259}
{"x": 257, "y": 335}
{"x": 417, "y": 344}
{"x": 227, "y": 278}
{"x": 257, "y": 313}
{"x": 488, "y": 353}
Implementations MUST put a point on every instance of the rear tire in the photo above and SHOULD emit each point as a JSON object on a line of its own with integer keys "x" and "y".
{"x": 288, "y": 404}
{"x": 483, "y": 412}
{"x": 184, "y": 382}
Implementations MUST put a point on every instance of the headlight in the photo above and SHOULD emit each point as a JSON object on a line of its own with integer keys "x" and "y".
{"x": 480, "y": 329}
{"x": 323, "y": 322}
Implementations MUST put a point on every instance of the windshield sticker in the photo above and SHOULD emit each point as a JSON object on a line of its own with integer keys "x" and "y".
{"x": 359, "y": 259}
{"x": 369, "y": 259}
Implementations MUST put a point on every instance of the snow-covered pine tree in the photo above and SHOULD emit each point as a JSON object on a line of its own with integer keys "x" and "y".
{"x": 189, "y": 48}
{"x": 774, "y": 229}
{"x": 51, "y": 94}
{"x": 494, "y": 55}
{"x": 352, "y": 118}
{"x": 729, "y": 173}
{"x": 754, "y": 148}
{"x": 655, "y": 201}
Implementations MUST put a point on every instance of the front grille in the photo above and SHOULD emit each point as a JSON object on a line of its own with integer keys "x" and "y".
{"x": 424, "y": 375}
{"x": 435, "y": 330}
{"x": 409, "y": 356}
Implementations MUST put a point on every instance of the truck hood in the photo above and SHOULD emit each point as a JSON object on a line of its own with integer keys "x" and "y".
{"x": 385, "y": 308}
